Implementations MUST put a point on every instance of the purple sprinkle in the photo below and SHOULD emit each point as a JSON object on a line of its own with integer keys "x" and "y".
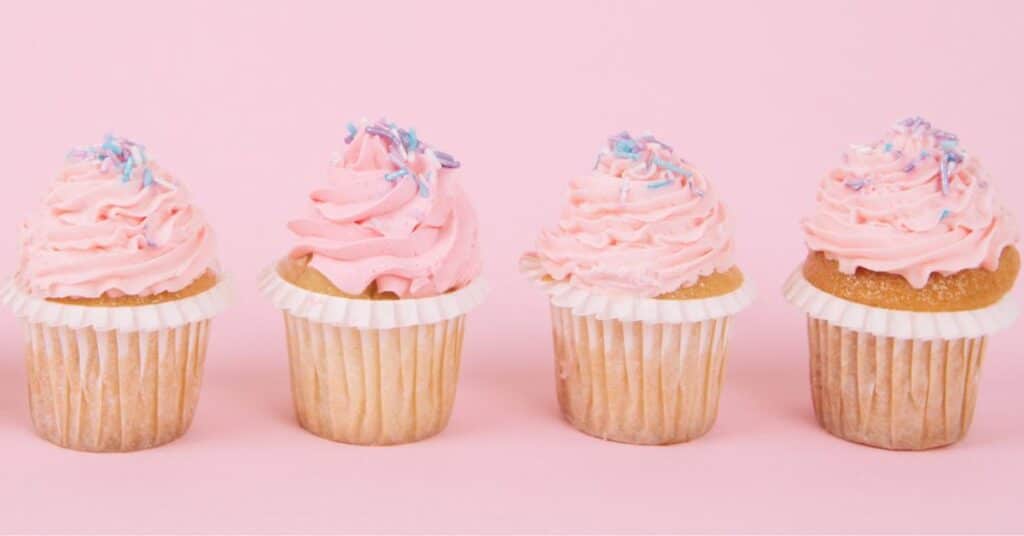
{"x": 857, "y": 184}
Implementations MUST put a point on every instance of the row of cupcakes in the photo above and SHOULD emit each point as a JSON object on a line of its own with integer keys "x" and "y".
{"x": 911, "y": 257}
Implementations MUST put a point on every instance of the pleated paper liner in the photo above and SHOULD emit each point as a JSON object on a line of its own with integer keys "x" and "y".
{"x": 638, "y": 370}
{"x": 373, "y": 372}
{"x": 821, "y": 305}
{"x": 894, "y": 379}
{"x": 114, "y": 379}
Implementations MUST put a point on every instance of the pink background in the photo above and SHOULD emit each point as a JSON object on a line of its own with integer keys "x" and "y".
{"x": 246, "y": 103}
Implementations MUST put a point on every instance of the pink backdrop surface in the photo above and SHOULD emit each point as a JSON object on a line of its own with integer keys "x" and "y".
{"x": 246, "y": 102}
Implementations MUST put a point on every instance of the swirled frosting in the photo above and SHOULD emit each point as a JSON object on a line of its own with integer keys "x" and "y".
{"x": 643, "y": 223}
{"x": 914, "y": 203}
{"x": 114, "y": 223}
{"x": 392, "y": 214}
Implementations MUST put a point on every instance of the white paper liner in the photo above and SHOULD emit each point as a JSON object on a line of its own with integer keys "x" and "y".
{"x": 167, "y": 315}
{"x": 370, "y": 314}
{"x": 114, "y": 391}
{"x": 584, "y": 302}
{"x": 893, "y": 323}
{"x": 633, "y": 382}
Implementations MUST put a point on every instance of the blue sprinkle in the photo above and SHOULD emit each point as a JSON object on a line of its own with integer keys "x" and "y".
{"x": 395, "y": 175}
{"x": 129, "y": 166}
{"x": 672, "y": 167}
{"x": 413, "y": 141}
{"x": 109, "y": 145}
{"x": 944, "y": 214}
{"x": 627, "y": 155}
{"x": 924, "y": 154}
{"x": 948, "y": 145}
{"x": 625, "y": 146}
{"x": 424, "y": 190}
{"x": 887, "y": 147}
{"x": 660, "y": 184}
{"x": 352, "y": 130}
{"x": 147, "y": 177}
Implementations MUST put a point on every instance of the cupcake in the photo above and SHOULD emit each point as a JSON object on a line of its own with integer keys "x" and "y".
{"x": 911, "y": 258}
{"x": 642, "y": 283}
{"x": 116, "y": 285}
{"x": 375, "y": 290}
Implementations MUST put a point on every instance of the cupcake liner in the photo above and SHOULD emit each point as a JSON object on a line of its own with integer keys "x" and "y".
{"x": 891, "y": 392}
{"x": 584, "y": 302}
{"x": 373, "y": 386}
{"x": 160, "y": 316}
{"x": 114, "y": 379}
{"x": 370, "y": 314}
{"x": 638, "y": 382}
{"x": 821, "y": 305}
{"x": 114, "y": 390}
{"x": 372, "y": 372}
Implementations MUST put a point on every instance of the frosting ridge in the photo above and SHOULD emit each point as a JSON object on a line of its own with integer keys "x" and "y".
{"x": 392, "y": 214}
{"x": 644, "y": 222}
{"x": 114, "y": 223}
{"x": 913, "y": 203}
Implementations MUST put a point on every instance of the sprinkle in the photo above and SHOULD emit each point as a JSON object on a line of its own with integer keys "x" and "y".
{"x": 147, "y": 178}
{"x": 948, "y": 144}
{"x": 109, "y": 145}
{"x": 105, "y": 165}
{"x": 908, "y": 168}
{"x": 138, "y": 155}
{"x": 447, "y": 160}
{"x": 857, "y": 184}
{"x": 944, "y": 214}
{"x": 627, "y": 155}
{"x": 624, "y": 190}
{"x": 126, "y": 173}
{"x": 352, "y": 131}
{"x": 395, "y": 175}
{"x": 660, "y": 184}
{"x": 411, "y": 140}
{"x": 424, "y": 190}
{"x": 887, "y": 147}
{"x": 946, "y": 168}
{"x": 672, "y": 167}
{"x": 696, "y": 191}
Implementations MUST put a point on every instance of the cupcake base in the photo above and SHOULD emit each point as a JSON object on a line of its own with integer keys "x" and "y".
{"x": 114, "y": 391}
{"x": 637, "y": 382}
{"x": 369, "y": 386}
{"x": 893, "y": 393}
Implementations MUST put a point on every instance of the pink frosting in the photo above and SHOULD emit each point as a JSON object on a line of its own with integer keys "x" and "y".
{"x": 913, "y": 204}
{"x": 643, "y": 223}
{"x": 113, "y": 224}
{"x": 392, "y": 213}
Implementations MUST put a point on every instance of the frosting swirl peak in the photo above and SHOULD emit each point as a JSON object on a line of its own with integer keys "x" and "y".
{"x": 114, "y": 223}
{"x": 913, "y": 203}
{"x": 392, "y": 214}
{"x": 643, "y": 223}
